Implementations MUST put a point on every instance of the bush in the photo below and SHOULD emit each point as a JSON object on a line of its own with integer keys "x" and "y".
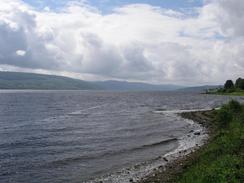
{"x": 231, "y": 90}
{"x": 226, "y": 113}
{"x": 235, "y": 106}
{"x": 242, "y": 119}
{"x": 224, "y": 116}
{"x": 221, "y": 90}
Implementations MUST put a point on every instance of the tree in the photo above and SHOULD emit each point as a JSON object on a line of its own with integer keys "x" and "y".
{"x": 242, "y": 84}
{"x": 229, "y": 84}
{"x": 239, "y": 83}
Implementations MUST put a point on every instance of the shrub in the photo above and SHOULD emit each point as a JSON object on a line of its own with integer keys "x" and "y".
{"x": 224, "y": 116}
{"x": 235, "y": 106}
{"x": 230, "y": 90}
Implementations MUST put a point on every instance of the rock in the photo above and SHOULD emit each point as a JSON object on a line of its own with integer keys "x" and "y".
{"x": 159, "y": 157}
{"x": 131, "y": 180}
{"x": 137, "y": 166}
{"x": 165, "y": 159}
{"x": 197, "y": 133}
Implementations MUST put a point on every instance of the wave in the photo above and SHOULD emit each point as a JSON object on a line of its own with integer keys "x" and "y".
{"x": 181, "y": 110}
{"x": 161, "y": 142}
{"x": 87, "y": 109}
{"x": 78, "y": 159}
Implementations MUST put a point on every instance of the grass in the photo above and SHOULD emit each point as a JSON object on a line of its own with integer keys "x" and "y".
{"x": 222, "y": 159}
{"x": 237, "y": 93}
{"x": 231, "y": 92}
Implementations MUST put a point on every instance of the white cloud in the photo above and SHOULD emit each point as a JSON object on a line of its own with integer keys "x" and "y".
{"x": 46, "y": 8}
{"x": 20, "y": 53}
{"x": 134, "y": 42}
{"x": 230, "y": 15}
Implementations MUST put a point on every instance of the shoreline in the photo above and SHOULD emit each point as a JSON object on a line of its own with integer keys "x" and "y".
{"x": 168, "y": 172}
{"x": 147, "y": 171}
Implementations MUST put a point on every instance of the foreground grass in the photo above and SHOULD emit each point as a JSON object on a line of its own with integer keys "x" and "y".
{"x": 222, "y": 159}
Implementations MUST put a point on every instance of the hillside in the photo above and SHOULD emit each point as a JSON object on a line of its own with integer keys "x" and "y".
{"x": 18, "y": 80}
{"x": 134, "y": 86}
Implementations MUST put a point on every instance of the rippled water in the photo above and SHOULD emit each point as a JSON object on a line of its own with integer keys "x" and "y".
{"x": 74, "y": 136}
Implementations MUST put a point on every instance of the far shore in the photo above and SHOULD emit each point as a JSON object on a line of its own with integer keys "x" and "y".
{"x": 238, "y": 93}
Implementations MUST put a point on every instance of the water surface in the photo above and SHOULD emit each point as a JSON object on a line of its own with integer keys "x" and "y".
{"x": 74, "y": 136}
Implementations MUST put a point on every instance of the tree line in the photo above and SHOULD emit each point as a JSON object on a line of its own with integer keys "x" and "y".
{"x": 230, "y": 86}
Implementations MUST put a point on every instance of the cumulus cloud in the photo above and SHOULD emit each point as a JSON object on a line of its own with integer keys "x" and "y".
{"x": 134, "y": 42}
{"x": 231, "y": 17}
{"x": 20, "y": 53}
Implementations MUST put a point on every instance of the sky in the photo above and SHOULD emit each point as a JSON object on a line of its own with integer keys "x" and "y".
{"x": 186, "y": 42}
{"x": 106, "y": 6}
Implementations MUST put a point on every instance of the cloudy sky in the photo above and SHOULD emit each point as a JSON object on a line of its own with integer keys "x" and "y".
{"x": 158, "y": 41}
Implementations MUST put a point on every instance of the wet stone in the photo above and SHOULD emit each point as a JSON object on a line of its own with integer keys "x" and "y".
{"x": 197, "y": 133}
{"x": 165, "y": 159}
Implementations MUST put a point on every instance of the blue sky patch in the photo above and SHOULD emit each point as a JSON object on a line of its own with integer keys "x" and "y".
{"x": 107, "y": 6}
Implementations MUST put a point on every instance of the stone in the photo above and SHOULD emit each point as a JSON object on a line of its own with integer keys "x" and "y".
{"x": 165, "y": 159}
{"x": 197, "y": 133}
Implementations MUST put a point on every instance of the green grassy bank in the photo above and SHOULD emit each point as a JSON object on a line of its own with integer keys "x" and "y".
{"x": 222, "y": 159}
{"x": 229, "y": 88}
{"x": 235, "y": 93}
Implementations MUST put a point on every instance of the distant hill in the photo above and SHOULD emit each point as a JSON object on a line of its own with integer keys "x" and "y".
{"x": 19, "y": 80}
{"x": 134, "y": 86}
{"x": 200, "y": 88}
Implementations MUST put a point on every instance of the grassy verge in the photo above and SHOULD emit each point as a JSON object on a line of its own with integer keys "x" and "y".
{"x": 237, "y": 93}
{"x": 222, "y": 159}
